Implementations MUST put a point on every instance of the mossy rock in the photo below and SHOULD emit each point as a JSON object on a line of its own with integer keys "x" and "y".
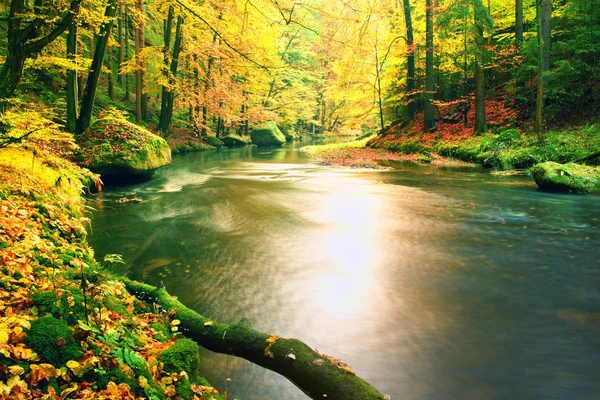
{"x": 182, "y": 356}
{"x": 567, "y": 178}
{"x": 52, "y": 340}
{"x": 121, "y": 151}
{"x": 233, "y": 140}
{"x": 267, "y": 134}
{"x": 48, "y": 303}
{"x": 214, "y": 141}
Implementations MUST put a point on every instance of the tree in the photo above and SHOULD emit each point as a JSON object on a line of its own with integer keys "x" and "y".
{"x": 410, "y": 61}
{"x": 89, "y": 94}
{"x": 72, "y": 95}
{"x": 168, "y": 93}
{"x": 519, "y": 22}
{"x": 25, "y": 39}
{"x": 481, "y": 21}
{"x": 429, "y": 117}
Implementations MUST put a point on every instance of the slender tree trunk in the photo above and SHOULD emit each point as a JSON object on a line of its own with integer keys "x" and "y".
{"x": 138, "y": 69}
{"x": 378, "y": 88}
{"x": 72, "y": 99}
{"x": 126, "y": 22}
{"x": 480, "y": 120}
{"x": 142, "y": 43}
{"x": 539, "y": 119}
{"x": 429, "y": 117}
{"x": 110, "y": 74}
{"x": 519, "y": 22}
{"x": 168, "y": 27}
{"x": 121, "y": 44}
{"x": 167, "y": 115}
{"x": 89, "y": 94}
{"x": 410, "y": 67}
{"x": 546, "y": 22}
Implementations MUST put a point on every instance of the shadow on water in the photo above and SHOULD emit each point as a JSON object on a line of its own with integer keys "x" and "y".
{"x": 431, "y": 283}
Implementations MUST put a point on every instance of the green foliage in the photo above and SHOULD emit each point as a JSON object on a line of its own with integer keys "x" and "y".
{"x": 52, "y": 339}
{"x": 69, "y": 306}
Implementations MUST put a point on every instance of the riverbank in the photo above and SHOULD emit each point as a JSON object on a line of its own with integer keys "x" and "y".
{"x": 68, "y": 328}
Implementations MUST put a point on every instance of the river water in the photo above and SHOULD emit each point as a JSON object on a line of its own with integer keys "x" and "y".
{"x": 431, "y": 283}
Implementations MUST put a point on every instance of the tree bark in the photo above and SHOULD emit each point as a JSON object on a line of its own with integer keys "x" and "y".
{"x": 539, "y": 118}
{"x": 121, "y": 44}
{"x": 519, "y": 22}
{"x": 480, "y": 120}
{"x": 168, "y": 27}
{"x": 318, "y": 376}
{"x": 166, "y": 113}
{"x": 546, "y": 26}
{"x": 410, "y": 67}
{"x": 126, "y": 23}
{"x": 139, "y": 79}
{"x": 110, "y": 74}
{"x": 429, "y": 118}
{"x": 89, "y": 94}
{"x": 72, "y": 94}
{"x": 24, "y": 41}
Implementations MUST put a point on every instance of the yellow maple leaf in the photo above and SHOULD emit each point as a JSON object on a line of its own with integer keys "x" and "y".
{"x": 271, "y": 342}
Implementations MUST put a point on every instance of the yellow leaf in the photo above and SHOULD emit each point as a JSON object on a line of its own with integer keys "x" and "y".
{"x": 143, "y": 382}
{"x": 175, "y": 322}
{"x": 15, "y": 370}
{"x": 271, "y": 341}
{"x": 69, "y": 390}
{"x": 3, "y": 337}
{"x": 208, "y": 323}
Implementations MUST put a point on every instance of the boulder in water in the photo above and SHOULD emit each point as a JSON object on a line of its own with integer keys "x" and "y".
{"x": 121, "y": 152}
{"x": 267, "y": 134}
{"x": 233, "y": 140}
{"x": 214, "y": 141}
{"x": 567, "y": 178}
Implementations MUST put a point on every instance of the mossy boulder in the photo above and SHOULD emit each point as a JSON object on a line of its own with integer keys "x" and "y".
{"x": 267, "y": 134}
{"x": 182, "y": 356}
{"x": 567, "y": 178}
{"x": 121, "y": 151}
{"x": 214, "y": 141}
{"x": 52, "y": 340}
{"x": 233, "y": 140}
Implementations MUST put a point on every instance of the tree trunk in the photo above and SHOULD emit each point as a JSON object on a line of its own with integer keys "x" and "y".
{"x": 539, "y": 118}
{"x": 168, "y": 27}
{"x": 166, "y": 113}
{"x": 138, "y": 66}
{"x": 110, "y": 74}
{"x": 480, "y": 120}
{"x": 25, "y": 41}
{"x": 546, "y": 26}
{"x": 72, "y": 98}
{"x": 410, "y": 67}
{"x": 89, "y": 94}
{"x": 318, "y": 376}
{"x": 519, "y": 22}
{"x": 142, "y": 43}
{"x": 121, "y": 44}
{"x": 429, "y": 117}
{"x": 126, "y": 23}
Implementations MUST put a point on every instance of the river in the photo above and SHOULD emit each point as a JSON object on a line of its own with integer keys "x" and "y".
{"x": 431, "y": 283}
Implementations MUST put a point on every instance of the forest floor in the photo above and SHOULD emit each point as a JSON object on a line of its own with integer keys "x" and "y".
{"x": 501, "y": 148}
{"x": 68, "y": 327}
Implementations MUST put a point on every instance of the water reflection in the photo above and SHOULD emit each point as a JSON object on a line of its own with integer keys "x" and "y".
{"x": 430, "y": 283}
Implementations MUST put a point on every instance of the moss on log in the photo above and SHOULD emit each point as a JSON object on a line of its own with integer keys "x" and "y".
{"x": 316, "y": 375}
{"x": 568, "y": 178}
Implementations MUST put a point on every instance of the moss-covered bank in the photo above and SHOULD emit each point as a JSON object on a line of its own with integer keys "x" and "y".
{"x": 67, "y": 328}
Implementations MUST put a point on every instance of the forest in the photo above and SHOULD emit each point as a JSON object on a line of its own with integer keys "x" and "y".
{"x": 166, "y": 165}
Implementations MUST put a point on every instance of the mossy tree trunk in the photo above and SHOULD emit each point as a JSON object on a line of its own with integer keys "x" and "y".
{"x": 316, "y": 375}
{"x": 89, "y": 94}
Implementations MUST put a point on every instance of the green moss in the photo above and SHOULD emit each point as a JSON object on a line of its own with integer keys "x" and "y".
{"x": 43, "y": 337}
{"x": 570, "y": 178}
{"x": 182, "y": 356}
{"x": 214, "y": 141}
{"x": 163, "y": 333}
{"x": 267, "y": 134}
{"x": 233, "y": 140}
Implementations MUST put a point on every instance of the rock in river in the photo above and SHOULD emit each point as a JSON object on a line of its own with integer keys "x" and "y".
{"x": 267, "y": 134}
{"x": 570, "y": 178}
{"x": 122, "y": 152}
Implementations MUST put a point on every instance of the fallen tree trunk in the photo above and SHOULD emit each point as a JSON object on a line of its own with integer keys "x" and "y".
{"x": 317, "y": 375}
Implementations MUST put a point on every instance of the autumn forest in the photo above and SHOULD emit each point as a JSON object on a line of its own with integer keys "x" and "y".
{"x": 409, "y": 185}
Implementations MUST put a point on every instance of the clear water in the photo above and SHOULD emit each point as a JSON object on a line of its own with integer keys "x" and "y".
{"x": 430, "y": 283}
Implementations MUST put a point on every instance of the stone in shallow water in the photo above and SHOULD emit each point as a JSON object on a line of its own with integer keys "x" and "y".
{"x": 567, "y": 178}
{"x": 267, "y": 134}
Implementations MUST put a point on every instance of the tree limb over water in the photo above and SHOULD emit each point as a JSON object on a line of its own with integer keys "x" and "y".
{"x": 317, "y": 375}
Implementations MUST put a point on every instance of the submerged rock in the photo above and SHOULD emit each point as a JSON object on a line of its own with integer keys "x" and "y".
{"x": 267, "y": 134}
{"x": 120, "y": 151}
{"x": 567, "y": 178}
{"x": 233, "y": 140}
